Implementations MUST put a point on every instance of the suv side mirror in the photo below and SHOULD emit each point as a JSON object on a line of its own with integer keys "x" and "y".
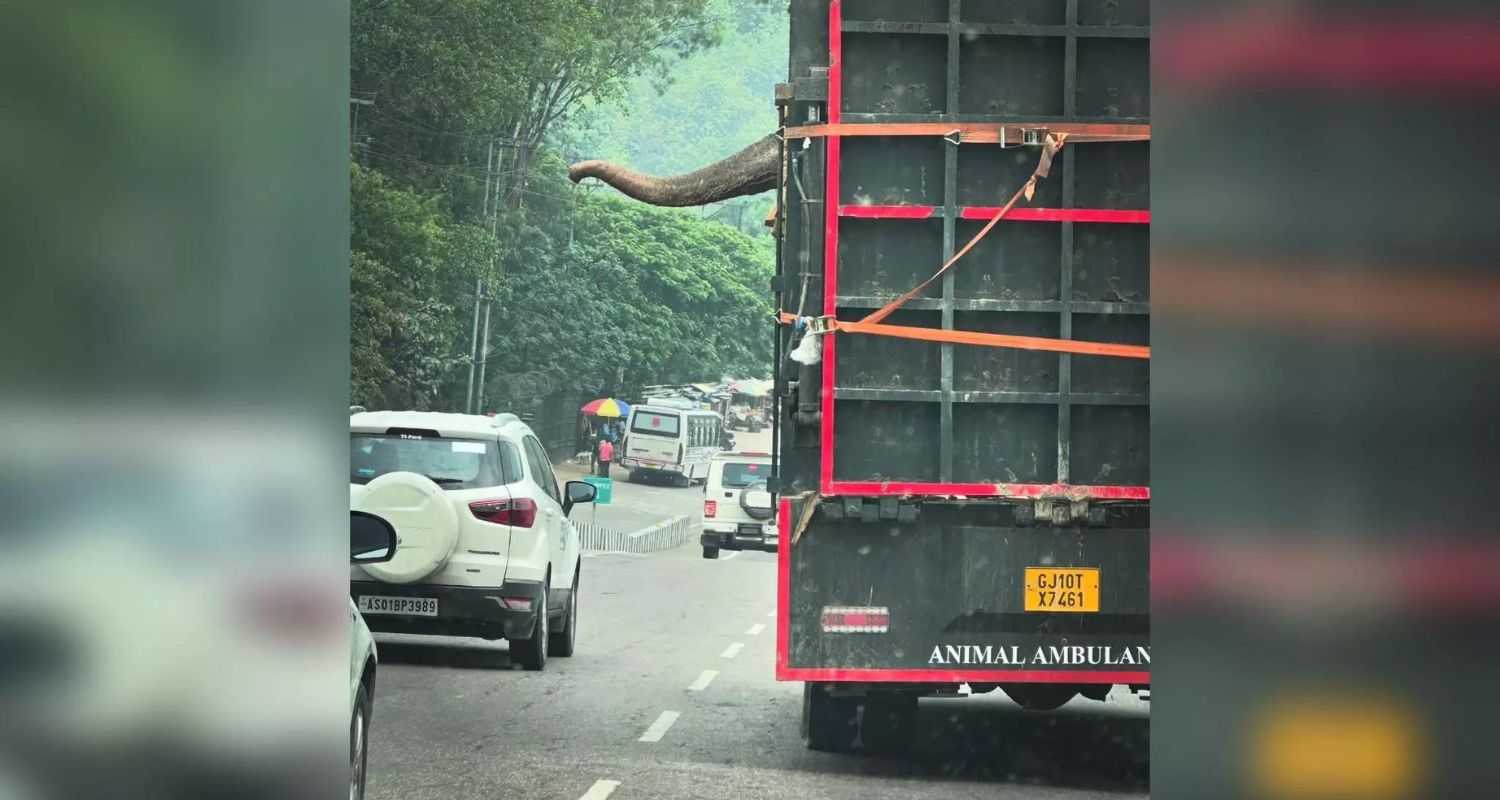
{"x": 372, "y": 539}
{"x": 578, "y": 492}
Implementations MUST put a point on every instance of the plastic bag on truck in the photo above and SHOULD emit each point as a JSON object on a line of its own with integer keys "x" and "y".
{"x": 809, "y": 351}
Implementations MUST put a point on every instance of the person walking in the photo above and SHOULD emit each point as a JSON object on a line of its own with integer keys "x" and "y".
{"x": 606, "y": 455}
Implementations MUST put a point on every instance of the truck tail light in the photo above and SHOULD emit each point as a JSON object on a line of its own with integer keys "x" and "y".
{"x": 856, "y": 619}
{"x": 710, "y": 508}
{"x": 519, "y": 511}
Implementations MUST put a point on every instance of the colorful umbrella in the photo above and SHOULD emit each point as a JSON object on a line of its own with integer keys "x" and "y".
{"x": 607, "y": 407}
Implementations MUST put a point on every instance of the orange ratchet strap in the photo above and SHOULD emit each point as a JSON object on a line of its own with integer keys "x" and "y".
{"x": 1052, "y": 137}
{"x": 1053, "y": 144}
{"x": 978, "y": 132}
{"x": 825, "y": 324}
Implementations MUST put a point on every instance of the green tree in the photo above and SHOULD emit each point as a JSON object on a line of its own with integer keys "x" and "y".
{"x": 411, "y": 270}
{"x": 585, "y": 291}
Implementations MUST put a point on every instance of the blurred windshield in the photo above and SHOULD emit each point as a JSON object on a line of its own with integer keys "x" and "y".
{"x": 654, "y": 423}
{"x": 451, "y": 463}
{"x": 738, "y": 475}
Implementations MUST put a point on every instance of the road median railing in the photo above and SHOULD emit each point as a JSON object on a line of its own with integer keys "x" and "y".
{"x": 665, "y": 535}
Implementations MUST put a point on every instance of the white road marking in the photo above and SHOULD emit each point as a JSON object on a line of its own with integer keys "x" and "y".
{"x": 755, "y": 629}
{"x": 660, "y": 727}
{"x": 729, "y": 555}
{"x": 771, "y": 613}
{"x": 732, "y": 650}
{"x": 704, "y": 679}
{"x": 600, "y": 790}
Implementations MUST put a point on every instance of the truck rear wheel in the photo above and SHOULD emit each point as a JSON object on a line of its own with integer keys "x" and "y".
{"x": 1040, "y": 696}
{"x": 889, "y": 723}
{"x": 829, "y": 723}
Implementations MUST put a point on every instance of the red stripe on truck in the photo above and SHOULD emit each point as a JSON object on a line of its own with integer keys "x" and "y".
{"x": 784, "y": 673}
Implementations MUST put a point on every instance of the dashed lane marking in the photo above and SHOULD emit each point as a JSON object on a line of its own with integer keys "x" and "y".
{"x": 704, "y": 679}
{"x": 755, "y": 629}
{"x": 660, "y": 727}
{"x": 600, "y": 790}
{"x": 732, "y": 650}
{"x": 729, "y": 555}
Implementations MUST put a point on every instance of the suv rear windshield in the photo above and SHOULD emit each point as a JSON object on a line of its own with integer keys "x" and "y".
{"x": 651, "y": 422}
{"x": 450, "y": 463}
{"x": 738, "y": 475}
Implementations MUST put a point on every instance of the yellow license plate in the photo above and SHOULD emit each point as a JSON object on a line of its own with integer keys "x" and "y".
{"x": 1064, "y": 589}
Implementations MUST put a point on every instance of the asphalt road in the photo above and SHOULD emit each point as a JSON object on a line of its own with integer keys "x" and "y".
{"x": 671, "y": 695}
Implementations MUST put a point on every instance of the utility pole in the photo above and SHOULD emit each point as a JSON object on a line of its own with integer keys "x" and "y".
{"x": 356, "y": 102}
{"x": 484, "y": 349}
{"x": 484, "y": 357}
{"x": 469, "y": 401}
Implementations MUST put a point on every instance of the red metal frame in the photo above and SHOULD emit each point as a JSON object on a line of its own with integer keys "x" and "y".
{"x": 962, "y": 676}
{"x": 1105, "y": 215}
{"x": 783, "y": 588}
{"x": 1019, "y": 490}
{"x": 831, "y": 233}
{"x": 833, "y": 211}
{"x": 785, "y": 672}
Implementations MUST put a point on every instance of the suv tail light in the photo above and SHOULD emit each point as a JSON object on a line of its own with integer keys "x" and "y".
{"x": 710, "y": 508}
{"x": 519, "y": 511}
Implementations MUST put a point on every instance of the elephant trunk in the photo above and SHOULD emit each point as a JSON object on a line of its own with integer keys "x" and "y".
{"x": 749, "y": 171}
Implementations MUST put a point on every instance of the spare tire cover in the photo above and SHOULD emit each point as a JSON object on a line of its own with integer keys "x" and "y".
{"x": 755, "y": 499}
{"x": 426, "y": 524}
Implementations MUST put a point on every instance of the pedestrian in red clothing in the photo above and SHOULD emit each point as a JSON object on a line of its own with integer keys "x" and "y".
{"x": 606, "y": 455}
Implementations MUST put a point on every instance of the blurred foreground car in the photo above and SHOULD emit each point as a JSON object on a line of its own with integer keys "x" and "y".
{"x": 171, "y": 608}
{"x": 372, "y": 540}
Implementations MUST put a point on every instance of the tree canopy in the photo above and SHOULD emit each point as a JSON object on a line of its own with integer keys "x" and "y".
{"x": 466, "y": 113}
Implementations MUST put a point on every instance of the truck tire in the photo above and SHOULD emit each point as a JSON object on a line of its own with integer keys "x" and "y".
{"x": 829, "y": 723}
{"x": 709, "y": 551}
{"x": 359, "y": 736}
{"x": 532, "y": 653}
{"x": 562, "y": 642}
{"x": 889, "y": 724}
{"x": 1040, "y": 696}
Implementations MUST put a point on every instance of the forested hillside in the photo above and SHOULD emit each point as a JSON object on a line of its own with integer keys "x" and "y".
{"x": 464, "y": 114}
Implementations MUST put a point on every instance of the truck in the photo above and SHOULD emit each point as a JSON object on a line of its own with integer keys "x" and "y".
{"x": 962, "y": 357}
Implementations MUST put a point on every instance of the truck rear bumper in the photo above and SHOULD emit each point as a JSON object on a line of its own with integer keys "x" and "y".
{"x": 949, "y": 594}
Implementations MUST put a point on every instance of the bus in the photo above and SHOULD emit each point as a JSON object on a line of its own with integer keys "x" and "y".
{"x": 670, "y": 440}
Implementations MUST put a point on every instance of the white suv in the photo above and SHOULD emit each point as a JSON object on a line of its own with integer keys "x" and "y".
{"x": 737, "y": 504}
{"x": 484, "y": 541}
